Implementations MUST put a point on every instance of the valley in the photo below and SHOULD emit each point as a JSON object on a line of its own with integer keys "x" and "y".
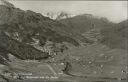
{"x": 83, "y": 48}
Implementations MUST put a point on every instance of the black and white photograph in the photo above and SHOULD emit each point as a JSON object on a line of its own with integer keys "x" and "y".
{"x": 63, "y": 41}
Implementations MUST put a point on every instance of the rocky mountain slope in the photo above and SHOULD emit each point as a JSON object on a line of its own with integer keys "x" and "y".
{"x": 20, "y": 30}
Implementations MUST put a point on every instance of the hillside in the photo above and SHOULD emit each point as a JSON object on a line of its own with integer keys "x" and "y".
{"x": 86, "y": 27}
{"x": 116, "y": 36}
{"x": 97, "y": 60}
{"x": 82, "y": 48}
{"x": 99, "y": 29}
{"x": 86, "y": 22}
{"x": 20, "y": 30}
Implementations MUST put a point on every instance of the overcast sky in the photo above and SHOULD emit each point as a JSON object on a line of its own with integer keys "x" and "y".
{"x": 115, "y": 11}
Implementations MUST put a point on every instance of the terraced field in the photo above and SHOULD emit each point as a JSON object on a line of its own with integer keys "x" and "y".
{"x": 98, "y": 61}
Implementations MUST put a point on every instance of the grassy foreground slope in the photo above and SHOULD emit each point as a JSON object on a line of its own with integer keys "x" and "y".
{"x": 97, "y": 61}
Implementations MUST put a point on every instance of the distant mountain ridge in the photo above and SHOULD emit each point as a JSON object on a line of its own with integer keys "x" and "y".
{"x": 85, "y": 22}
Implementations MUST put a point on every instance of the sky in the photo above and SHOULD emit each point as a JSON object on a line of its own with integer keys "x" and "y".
{"x": 115, "y": 11}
